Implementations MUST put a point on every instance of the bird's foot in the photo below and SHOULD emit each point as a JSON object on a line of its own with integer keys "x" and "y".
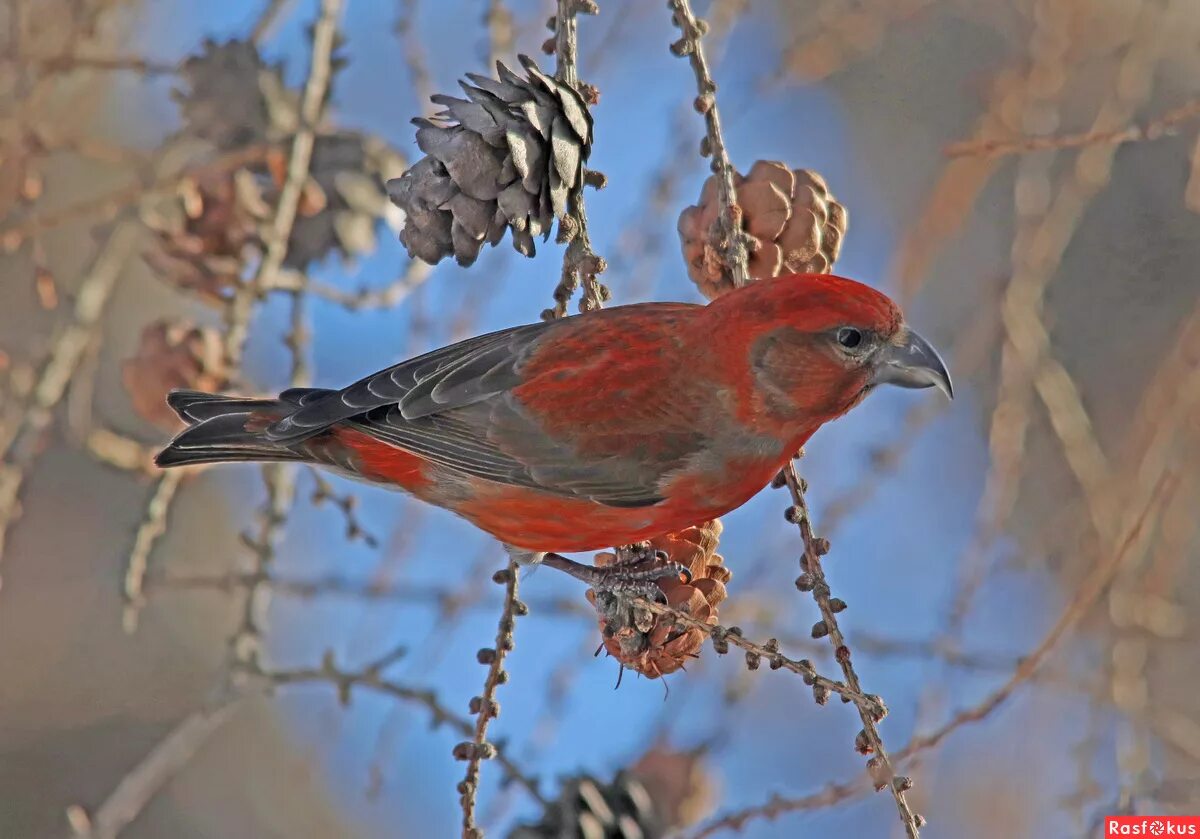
{"x": 621, "y": 578}
{"x": 636, "y": 554}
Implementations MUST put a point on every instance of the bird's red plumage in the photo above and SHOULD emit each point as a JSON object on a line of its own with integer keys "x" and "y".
{"x": 615, "y": 426}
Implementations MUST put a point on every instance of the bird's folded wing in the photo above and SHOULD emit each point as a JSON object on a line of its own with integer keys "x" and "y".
{"x": 469, "y": 370}
{"x": 497, "y": 441}
{"x": 601, "y": 427}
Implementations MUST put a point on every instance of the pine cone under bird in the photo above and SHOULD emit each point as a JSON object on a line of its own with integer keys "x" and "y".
{"x": 654, "y": 645}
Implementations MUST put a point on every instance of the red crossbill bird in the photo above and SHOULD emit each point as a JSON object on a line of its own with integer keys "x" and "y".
{"x": 606, "y": 428}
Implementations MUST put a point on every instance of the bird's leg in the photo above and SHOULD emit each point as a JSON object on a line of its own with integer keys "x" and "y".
{"x": 619, "y": 578}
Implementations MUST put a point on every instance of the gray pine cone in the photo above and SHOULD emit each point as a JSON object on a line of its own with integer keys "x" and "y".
{"x": 509, "y": 156}
{"x": 233, "y": 99}
{"x": 590, "y": 809}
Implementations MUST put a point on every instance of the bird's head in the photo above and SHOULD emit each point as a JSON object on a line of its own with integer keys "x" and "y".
{"x": 818, "y": 344}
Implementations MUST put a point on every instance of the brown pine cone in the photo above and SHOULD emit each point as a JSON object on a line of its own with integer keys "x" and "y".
{"x": 204, "y": 232}
{"x": 790, "y": 212}
{"x": 231, "y": 98}
{"x": 679, "y": 784}
{"x": 654, "y": 645}
{"x": 171, "y": 355}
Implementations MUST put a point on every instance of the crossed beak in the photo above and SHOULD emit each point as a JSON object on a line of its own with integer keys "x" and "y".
{"x": 911, "y": 361}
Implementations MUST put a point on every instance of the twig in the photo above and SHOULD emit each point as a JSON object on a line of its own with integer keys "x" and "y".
{"x": 737, "y": 241}
{"x": 1165, "y": 125}
{"x": 325, "y": 492}
{"x": 812, "y": 578}
{"x": 498, "y": 21}
{"x": 143, "y": 782}
{"x": 67, "y": 62}
{"x": 280, "y": 482}
{"x": 485, "y": 707}
{"x": 151, "y": 529}
{"x": 266, "y": 20}
{"x": 19, "y": 446}
{"x": 551, "y": 717}
{"x": 389, "y": 296}
{"x": 736, "y": 258}
{"x": 847, "y": 33}
{"x": 450, "y": 600}
{"x": 280, "y": 479}
{"x": 1191, "y": 192}
{"x": 1026, "y": 669}
{"x": 110, "y": 203}
{"x": 1087, "y": 595}
{"x": 414, "y": 54}
{"x": 371, "y": 678}
{"x": 723, "y": 636}
{"x": 581, "y": 265}
{"x": 778, "y": 805}
{"x": 120, "y": 451}
{"x": 280, "y": 230}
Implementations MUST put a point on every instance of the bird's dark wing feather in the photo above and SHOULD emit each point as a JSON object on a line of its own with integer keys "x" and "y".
{"x": 440, "y": 380}
{"x": 455, "y": 407}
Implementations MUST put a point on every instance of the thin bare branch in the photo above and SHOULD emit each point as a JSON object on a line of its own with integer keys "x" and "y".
{"x": 1026, "y": 669}
{"x": 152, "y": 773}
{"x": 1087, "y": 595}
{"x": 812, "y": 578}
{"x": 485, "y": 707}
{"x": 151, "y": 529}
{"x": 19, "y": 445}
{"x": 68, "y": 62}
{"x": 279, "y": 232}
{"x": 1166, "y": 125}
{"x": 386, "y": 297}
{"x": 779, "y": 805}
{"x": 371, "y": 678}
{"x": 723, "y": 636}
{"x": 737, "y": 241}
{"x": 581, "y": 265}
{"x": 267, "y": 19}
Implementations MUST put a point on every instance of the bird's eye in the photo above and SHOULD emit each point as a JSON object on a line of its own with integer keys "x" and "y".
{"x": 849, "y": 337}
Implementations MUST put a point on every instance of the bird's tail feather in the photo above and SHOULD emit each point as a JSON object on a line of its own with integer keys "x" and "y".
{"x": 222, "y": 429}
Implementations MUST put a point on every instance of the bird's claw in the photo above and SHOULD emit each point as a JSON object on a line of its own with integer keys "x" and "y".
{"x": 638, "y": 553}
{"x": 621, "y": 578}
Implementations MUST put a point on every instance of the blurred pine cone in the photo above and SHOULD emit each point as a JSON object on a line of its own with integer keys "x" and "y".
{"x": 170, "y": 355}
{"x": 509, "y": 156}
{"x": 790, "y": 212}
{"x": 233, "y": 99}
{"x": 348, "y": 171}
{"x": 204, "y": 232}
{"x": 654, "y": 645}
{"x": 590, "y": 809}
{"x": 679, "y": 784}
